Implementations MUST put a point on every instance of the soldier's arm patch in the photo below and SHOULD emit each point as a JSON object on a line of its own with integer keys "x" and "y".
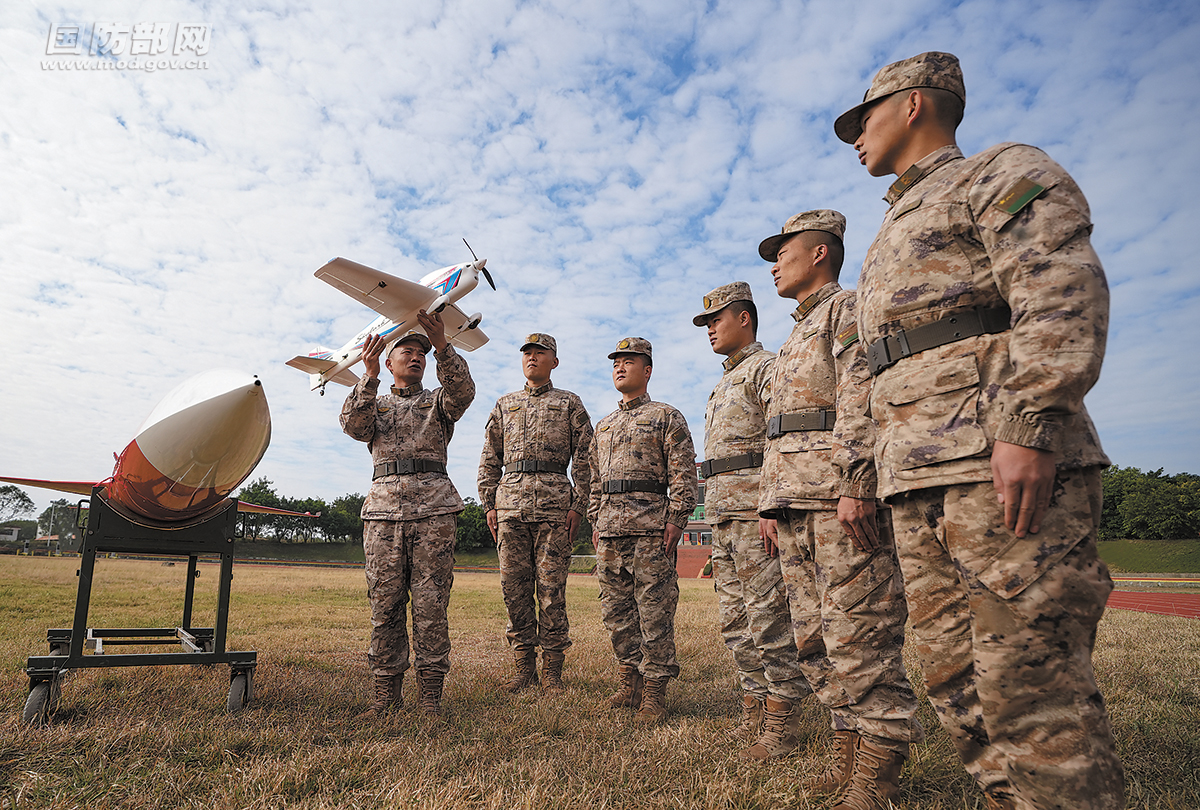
{"x": 848, "y": 336}
{"x": 1019, "y": 195}
{"x": 679, "y": 434}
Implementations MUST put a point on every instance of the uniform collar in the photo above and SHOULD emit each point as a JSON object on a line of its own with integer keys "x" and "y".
{"x": 919, "y": 170}
{"x": 541, "y": 389}
{"x": 415, "y": 388}
{"x": 810, "y": 303}
{"x": 741, "y": 354}
{"x": 633, "y": 403}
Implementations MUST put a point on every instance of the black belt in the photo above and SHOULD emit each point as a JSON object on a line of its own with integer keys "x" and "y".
{"x": 536, "y": 466}
{"x": 816, "y": 419}
{"x": 407, "y": 466}
{"x": 885, "y": 352}
{"x": 716, "y": 466}
{"x": 631, "y": 485}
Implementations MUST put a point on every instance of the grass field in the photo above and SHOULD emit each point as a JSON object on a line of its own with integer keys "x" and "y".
{"x": 159, "y": 737}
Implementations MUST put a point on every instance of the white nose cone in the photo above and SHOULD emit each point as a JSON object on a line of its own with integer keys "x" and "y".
{"x": 202, "y": 440}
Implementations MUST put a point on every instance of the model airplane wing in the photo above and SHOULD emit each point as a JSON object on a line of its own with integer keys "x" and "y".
{"x": 392, "y": 297}
{"x": 85, "y": 488}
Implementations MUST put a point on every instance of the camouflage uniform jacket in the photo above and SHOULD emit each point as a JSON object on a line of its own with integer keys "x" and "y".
{"x": 820, "y": 366}
{"x": 1006, "y": 227}
{"x": 736, "y": 423}
{"x": 410, "y": 423}
{"x": 642, "y": 440}
{"x": 536, "y": 424}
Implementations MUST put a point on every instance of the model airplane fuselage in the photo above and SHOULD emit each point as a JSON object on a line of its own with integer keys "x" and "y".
{"x": 198, "y": 444}
{"x": 397, "y": 301}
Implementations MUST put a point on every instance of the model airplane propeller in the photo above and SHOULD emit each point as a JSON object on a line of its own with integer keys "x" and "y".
{"x": 397, "y": 301}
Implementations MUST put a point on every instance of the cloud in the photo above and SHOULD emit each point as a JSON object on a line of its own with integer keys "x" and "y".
{"x": 613, "y": 163}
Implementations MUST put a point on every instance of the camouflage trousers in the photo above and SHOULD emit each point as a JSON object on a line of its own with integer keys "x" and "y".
{"x": 848, "y": 615}
{"x": 406, "y": 556}
{"x": 753, "y": 605}
{"x": 1008, "y": 655}
{"x": 535, "y": 556}
{"x": 639, "y": 591}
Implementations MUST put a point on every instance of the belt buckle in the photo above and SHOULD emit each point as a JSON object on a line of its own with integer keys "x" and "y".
{"x": 774, "y": 427}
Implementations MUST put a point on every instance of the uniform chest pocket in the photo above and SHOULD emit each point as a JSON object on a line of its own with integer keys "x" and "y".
{"x": 930, "y": 413}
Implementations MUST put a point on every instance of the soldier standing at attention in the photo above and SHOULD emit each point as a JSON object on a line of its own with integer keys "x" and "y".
{"x": 643, "y": 492}
{"x": 755, "y": 623}
{"x": 818, "y": 502}
{"x": 984, "y": 310}
{"x": 533, "y": 511}
{"x": 410, "y": 512}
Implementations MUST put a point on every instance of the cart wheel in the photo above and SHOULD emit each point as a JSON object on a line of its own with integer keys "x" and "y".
{"x": 237, "y": 693}
{"x": 37, "y": 707}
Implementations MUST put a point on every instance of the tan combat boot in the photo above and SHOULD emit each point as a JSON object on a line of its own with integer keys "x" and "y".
{"x": 629, "y": 695}
{"x": 752, "y": 718}
{"x": 653, "y": 708}
{"x": 431, "y": 692}
{"x": 552, "y": 665}
{"x": 780, "y": 731}
{"x": 837, "y": 775}
{"x": 386, "y": 696}
{"x": 875, "y": 782}
{"x": 526, "y": 676}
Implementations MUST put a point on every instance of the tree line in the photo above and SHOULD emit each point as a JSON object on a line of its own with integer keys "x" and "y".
{"x": 1150, "y": 505}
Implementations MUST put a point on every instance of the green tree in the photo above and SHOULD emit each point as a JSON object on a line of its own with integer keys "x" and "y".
{"x": 14, "y": 503}
{"x": 1150, "y": 506}
{"x": 341, "y": 522}
{"x": 472, "y": 533}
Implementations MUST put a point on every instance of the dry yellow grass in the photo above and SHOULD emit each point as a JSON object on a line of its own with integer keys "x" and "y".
{"x": 159, "y": 737}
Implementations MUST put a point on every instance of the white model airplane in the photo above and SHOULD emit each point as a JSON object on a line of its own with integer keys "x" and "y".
{"x": 397, "y": 302}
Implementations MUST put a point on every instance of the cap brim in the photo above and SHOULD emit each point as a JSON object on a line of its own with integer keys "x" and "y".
{"x": 539, "y": 345}
{"x": 769, "y": 247}
{"x": 420, "y": 340}
{"x": 615, "y": 355}
{"x": 848, "y": 125}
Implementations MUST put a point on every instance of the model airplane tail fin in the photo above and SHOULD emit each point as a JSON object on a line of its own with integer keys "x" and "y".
{"x": 316, "y": 363}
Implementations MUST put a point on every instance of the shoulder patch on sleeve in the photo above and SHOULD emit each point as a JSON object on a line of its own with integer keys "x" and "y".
{"x": 1019, "y": 195}
{"x": 848, "y": 336}
{"x": 679, "y": 435}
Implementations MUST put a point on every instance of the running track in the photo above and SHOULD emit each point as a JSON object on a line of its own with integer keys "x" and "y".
{"x": 1168, "y": 604}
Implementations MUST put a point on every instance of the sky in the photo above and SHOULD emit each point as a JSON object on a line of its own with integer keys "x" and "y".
{"x": 613, "y": 162}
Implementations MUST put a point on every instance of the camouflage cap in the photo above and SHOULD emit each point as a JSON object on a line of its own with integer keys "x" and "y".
{"x": 822, "y": 219}
{"x": 413, "y": 336}
{"x": 722, "y": 297}
{"x": 933, "y": 69}
{"x": 541, "y": 340}
{"x": 632, "y": 345}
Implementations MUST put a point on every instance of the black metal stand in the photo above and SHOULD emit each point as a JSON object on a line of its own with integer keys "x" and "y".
{"x": 112, "y": 529}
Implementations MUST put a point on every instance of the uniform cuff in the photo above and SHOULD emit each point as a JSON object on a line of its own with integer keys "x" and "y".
{"x": 1040, "y": 434}
{"x": 863, "y": 489}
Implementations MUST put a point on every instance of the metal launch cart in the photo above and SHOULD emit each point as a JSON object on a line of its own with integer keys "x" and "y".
{"x": 110, "y": 528}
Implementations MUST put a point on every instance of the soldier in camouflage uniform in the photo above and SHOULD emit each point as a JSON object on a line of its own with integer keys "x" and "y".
{"x": 985, "y": 312}
{"x": 410, "y": 512}
{"x": 533, "y": 510}
{"x": 755, "y": 623}
{"x": 818, "y": 501}
{"x": 643, "y": 491}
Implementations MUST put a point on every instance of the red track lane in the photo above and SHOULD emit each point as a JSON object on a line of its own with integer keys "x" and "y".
{"x": 1167, "y": 604}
